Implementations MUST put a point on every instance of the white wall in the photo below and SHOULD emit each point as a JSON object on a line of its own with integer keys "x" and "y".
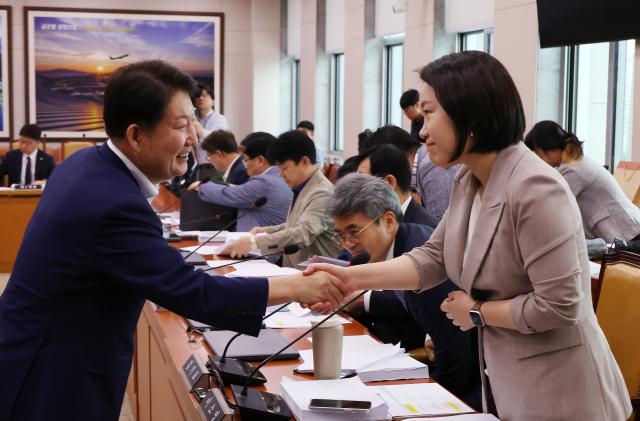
{"x": 251, "y": 59}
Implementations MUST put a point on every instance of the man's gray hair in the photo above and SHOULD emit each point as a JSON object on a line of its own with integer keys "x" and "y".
{"x": 363, "y": 193}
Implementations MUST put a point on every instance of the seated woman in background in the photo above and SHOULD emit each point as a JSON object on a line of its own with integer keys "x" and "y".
{"x": 606, "y": 212}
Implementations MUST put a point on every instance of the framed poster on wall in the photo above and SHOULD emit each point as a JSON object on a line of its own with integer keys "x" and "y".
{"x": 70, "y": 54}
{"x": 5, "y": 75}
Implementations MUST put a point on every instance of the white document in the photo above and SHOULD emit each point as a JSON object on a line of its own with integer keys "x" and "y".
{"x": 205, "y": 249}
{"x": 291, "y": 321}
{"x": 218, "y": 263}
{"x": 297, "y": 310}
{"x": 298, "y": 395}
{"x": 261, "y": 268}
{"x": 594, "y": 268}
{"x": 467, "y": 417}
{"x": 358, "y": 352}
{"x": 422, "y": 399}
{"x": 398, "y": 367}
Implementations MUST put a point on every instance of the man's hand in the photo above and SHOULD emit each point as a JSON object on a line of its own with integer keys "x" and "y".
{"x": 194, "y": 186}
{"x": 239, "y": 249}
{"x": 457, "y": 306}
{"x": 320, "y": 288}
{"x": 256, "y": 230}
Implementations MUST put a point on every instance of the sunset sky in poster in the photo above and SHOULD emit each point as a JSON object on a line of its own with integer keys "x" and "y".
{"x": 85, "y": 44}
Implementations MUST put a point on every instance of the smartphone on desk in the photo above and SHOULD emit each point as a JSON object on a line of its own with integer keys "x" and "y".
{"x": 338, "y": 405}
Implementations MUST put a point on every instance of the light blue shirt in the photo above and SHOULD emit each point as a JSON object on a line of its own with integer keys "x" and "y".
{"x": 269, "y": 184}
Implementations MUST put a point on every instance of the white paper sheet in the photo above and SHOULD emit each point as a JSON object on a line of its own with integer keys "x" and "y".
{"x": 205, "y": 249}
{"x": 420, "y": 399}
{"x": 358, "y": 352}
{"x": 290, "y": 321}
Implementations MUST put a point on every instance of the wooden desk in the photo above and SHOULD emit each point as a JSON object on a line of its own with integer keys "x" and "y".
{"x": 16, "y": 208}
{"x": 157, "y": 390}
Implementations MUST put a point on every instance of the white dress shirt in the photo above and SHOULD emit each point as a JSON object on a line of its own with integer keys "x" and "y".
{"x": 226, "y": 173}
{"x": 367, "y": 295}
{"x": 149, "y": 189}
{"x": 23, "y": 170}
{"x": 212, "y": 121}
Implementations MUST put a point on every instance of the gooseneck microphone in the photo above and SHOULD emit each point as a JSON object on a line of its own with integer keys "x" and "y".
{"x": 257, "y": 405}
{"x": 290, "y": 249}
{"x": 259, "y": 202}
{"x": 170, "y": 205}
{"x": 234, "y": 371}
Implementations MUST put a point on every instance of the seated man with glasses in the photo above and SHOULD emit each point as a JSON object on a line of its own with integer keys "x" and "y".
{"x": 264, "y": 180}
{"x": 367, "y": 214}
{"x": 27, "y": 165}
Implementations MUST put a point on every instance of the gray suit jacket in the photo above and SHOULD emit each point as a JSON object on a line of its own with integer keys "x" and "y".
{"x": 528, "y": 246}
{"x": 269, "y": 184}
{"x": 606, "y": 212}
{"x": 308, "y": 225}
{"x": 434, "y": 186}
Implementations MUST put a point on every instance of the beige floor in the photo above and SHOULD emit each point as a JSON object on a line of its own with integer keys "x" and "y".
{"x": 126, "y": 414}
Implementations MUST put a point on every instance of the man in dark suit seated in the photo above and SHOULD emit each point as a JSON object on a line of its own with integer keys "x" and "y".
{"x": 93, "y": 252}
{"x": 367, "y": 218}
{"x": 27, "y": 165}
{"x": 390, "y": 163}
{"x": 222, "y": 152}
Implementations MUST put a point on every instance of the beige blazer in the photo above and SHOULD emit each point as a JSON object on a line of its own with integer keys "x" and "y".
{"x": 529, "y": 246}
{"x": 308, "y": 225}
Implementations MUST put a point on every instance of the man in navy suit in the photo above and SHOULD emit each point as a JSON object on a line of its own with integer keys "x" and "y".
{"x": 222, "y": 151}
{"x": 390, "y": 163}
{"x": 265, "y": 180}
{"x": 93, "y": 252}
{"x": 27, "y": 164}
{"x": 367, "y": 214}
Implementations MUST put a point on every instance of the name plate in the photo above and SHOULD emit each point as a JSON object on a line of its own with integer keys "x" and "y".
{"x": 194, "y": 372}
{"x": 26, "y": 187}
{"x": 211, "y": 408}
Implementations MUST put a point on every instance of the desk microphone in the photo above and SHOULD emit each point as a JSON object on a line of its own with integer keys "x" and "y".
{"x": 290, "y": 249}
{"x": 259, "y": 202}
{"x": 166, "y": 208}
{"x": 257, "y": 405}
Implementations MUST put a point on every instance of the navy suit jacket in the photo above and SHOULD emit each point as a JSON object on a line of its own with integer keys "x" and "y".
{"x": 456, "y": 352}
{"x": 12, "y": 165}
{"x": 238, "y": 173}
{"x": 416, "y": 214}
{"x": 91, "y": 255}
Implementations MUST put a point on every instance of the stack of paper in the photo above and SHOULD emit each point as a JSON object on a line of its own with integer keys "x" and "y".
{"x": 261, "y": 268}
{"x": 468, "y": 417}
{"x": 298, "y": 395}
{"x": 207, "y": 249}
{"x": 289, "y": 320}
{"x": 422, "y": 399}
{"x": 398, "y": 367}
{"x": 358, "y": 352}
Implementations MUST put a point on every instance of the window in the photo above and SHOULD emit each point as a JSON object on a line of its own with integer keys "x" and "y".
{"x": 598, "y": 90}
{"x": 623, "y": 114}
{"x": 392, "y": 84}
{"x": 295, "y": 92}
{"x": 337, "y": 102}
{"x": 476, "y": 41}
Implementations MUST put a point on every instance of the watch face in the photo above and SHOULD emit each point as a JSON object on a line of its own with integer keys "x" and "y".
{"x": 476, "y": 318}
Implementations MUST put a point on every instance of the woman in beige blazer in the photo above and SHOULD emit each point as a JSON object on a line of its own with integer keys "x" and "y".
{"x": 513, "y": 241}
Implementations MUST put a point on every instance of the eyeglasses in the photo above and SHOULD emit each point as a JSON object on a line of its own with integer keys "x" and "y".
{"x": 353, "y": 235}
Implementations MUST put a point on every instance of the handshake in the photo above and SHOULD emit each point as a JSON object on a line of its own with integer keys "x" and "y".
{"x": 321, "y": 286}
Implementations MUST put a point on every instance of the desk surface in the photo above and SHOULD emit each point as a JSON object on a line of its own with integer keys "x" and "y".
{"x": 20, "y": 193}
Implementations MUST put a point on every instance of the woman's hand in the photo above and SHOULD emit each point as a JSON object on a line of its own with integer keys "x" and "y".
{"x": 239, "y": 249}
{"x": 457, "y": 306}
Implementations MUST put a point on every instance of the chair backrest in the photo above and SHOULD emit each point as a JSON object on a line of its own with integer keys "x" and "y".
{"x": 16, "y": 145}
{"x": 619, "y": 313}
{"x": 71, "y": 147}
{"x": 332, "y": 174}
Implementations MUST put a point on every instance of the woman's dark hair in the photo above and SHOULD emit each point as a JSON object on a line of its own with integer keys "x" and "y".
{"x": 480, "y": 97}
{"x": 549, "y": 135}
{"x": 139, "y": 94}
{"x": 292, "y": 145}
{"x": 257, "y": 144}
{"x": 363, "y": 140}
